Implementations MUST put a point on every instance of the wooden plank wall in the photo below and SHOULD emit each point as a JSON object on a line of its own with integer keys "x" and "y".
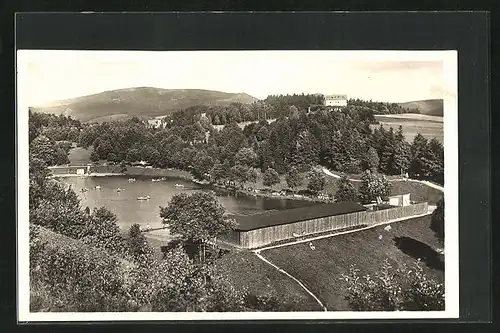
{"x": 264, "y": 236}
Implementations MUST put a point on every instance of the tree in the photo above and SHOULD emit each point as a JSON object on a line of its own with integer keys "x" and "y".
{"x": 196, "y": 217}
{"x": 239, "y": 174}
{"x": 251, "y": 175}
{"x": 45, "y": 149}
{"x": 102, "y": 230}
{"x": 418, "y": 151}
{"x": 346, "y": 191}
{"x": 400, "y": 289}
{"x": 246, "y": 156}
{"x": 371, "y": 160}
{"x": 373, "y": 186}
{"x": 437, "y": 220}
{"x": 94, "y": 156}
{"x": 218, "y": 172}
{"x": 202, "y": 163}
{"x": 137, "y": 244}
{"x": 270, "y": 177}
{"x": 402, "y": 157}
{"x": 293, "y": 178}
{"x": 316, "y": 182}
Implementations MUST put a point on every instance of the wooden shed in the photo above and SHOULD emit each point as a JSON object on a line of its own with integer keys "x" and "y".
{"x": 258, "y": 230}
{"x": 273, "y": 226}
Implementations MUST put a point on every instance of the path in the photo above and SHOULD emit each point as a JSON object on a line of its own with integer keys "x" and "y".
{"x": 293, "y": 278}
{"x": 257, "y": 252}
{"x": 424, "y": 182}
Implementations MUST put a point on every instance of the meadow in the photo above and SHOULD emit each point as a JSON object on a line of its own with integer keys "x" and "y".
{"x": 428, "y": 126}
{"x": 321, "y": 269}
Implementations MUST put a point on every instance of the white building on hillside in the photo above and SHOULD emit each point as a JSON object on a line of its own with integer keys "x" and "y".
{"x": 337, "y": 101}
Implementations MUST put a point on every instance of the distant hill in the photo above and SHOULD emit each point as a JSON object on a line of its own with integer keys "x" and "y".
{"x": 430, "y": 107}
{"x": 144, "y": 102}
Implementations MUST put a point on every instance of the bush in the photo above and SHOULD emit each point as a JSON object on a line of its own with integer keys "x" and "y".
{"x": 80, "y": 278}
{"x": 391, "y": 289}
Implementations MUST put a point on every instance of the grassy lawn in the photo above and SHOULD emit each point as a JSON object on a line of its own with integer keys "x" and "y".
{"x": 245, "y": 270}
{"x": 330, "y": 187}
{"x": 428, "y": 127}
{"x": 320, "y": 270}
{"x": 79, "y": 156}
{"x": 418, "y": 192}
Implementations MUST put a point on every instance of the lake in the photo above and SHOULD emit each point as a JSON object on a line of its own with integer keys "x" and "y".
{"x": 129, "y": 210}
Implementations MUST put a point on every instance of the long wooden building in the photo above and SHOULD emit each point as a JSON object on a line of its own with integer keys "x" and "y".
{"x": 258, "y": 230}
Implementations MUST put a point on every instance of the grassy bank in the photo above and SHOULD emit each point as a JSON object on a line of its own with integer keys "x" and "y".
{"x": 320, "y": 269}
{"x": 418, "y": 192}
{"x": 245, "y": 270}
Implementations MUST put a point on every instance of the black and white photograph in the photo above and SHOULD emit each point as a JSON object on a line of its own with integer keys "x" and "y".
{"x": 250, "y": 184}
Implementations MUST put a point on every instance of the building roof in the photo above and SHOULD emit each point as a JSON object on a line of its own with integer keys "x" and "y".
{"x": 274, "y": 218}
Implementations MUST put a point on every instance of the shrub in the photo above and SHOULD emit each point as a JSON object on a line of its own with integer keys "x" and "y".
{"x": 391, "y": 289}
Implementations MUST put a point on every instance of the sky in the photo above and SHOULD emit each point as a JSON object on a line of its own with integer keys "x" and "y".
{"x": 383, "y": 75}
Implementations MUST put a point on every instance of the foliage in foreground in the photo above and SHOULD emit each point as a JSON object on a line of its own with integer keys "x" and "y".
{"x": 390, "y": 289}
{"x": 67, "y": 275}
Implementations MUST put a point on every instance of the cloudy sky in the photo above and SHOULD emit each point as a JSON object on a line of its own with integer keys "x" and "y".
{"x": 384, "y": 76}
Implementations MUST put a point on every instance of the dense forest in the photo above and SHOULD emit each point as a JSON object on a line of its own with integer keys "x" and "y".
{"x": 81, "y": 261}
{"x": 341, "y": 141}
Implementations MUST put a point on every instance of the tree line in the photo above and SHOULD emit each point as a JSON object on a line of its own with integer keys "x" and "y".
{"x": 381, "y": 107}
{"x": 342, "y": 141}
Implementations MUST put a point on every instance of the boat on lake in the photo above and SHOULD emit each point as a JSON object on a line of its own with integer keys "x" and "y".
{"x": 83, "y": 190}
{"x": 131, "y": 180}
{"x": 120, "y": 189}
{"x": 155, "y": 180}
{"x": 147, "y": 197}
{"x": 163, "y": 178}
{"x": 97, "y": 187}
{"x": 179, "y": 185}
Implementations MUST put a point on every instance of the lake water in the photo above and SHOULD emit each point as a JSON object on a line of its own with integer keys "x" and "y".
{"x": 129, "y": 210}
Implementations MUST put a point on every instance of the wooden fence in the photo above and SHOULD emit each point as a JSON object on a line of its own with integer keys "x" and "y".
{"x": 264, "y": 236}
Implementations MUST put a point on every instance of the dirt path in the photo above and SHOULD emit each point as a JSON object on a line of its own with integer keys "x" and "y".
{"x": 437, "y": 187}
{"x": 293, "y": 278}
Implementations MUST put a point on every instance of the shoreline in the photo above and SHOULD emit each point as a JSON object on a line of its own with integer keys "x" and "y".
{"x": 186, "y": 176}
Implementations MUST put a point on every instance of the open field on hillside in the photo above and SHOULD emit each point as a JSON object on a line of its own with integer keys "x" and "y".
{"x": 79, "y": 156}
{"x": 418, "y": 192}
{"x": 433, "y": 107}
{"x": 413, "y": 124}
{"x": 245, "y": 270}
{"x": 320, "y": 269}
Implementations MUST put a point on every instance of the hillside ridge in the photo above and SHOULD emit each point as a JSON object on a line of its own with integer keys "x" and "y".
{"x": 430, "y": 107}
{"x": 143, "y": 102}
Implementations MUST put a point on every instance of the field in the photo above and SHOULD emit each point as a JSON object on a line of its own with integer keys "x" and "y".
{"x": 418, "y": 192}
{"x": 428, "y": 126}
{"x": 432, "y": 107}
{"x": 79, "y": 156}
{"x": 320, "y": 270}
{"x": 247, "y": 271}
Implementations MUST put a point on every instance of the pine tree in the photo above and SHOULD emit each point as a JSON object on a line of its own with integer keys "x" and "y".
{"x": 346, "y": 191}
{"x": 371, "y": 160}
{"x": 293, "y": 178}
